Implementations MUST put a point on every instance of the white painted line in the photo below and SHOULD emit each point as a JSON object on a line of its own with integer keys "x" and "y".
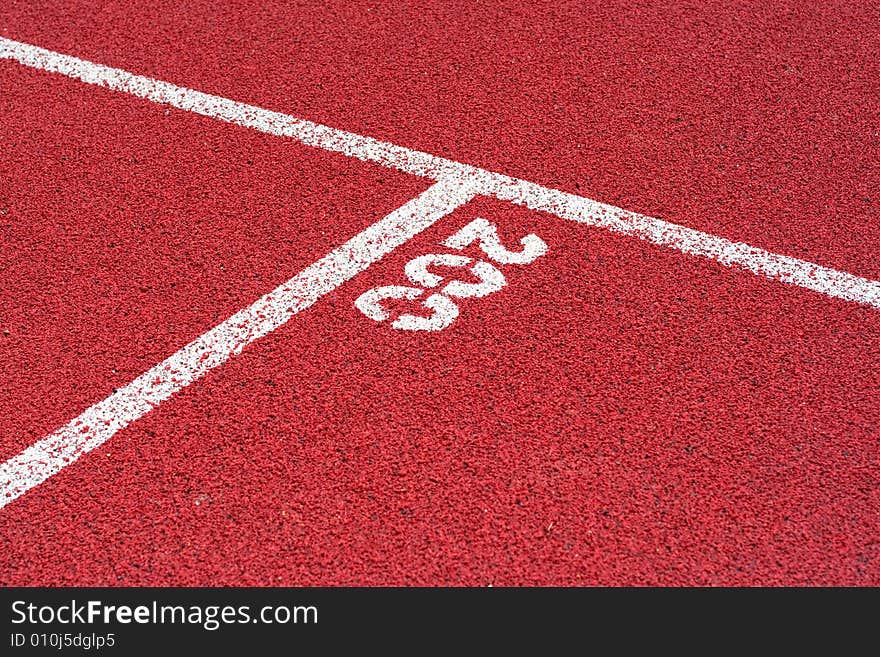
{"x": 457, "y": 184}
{"x": 824, "y": 280}
{"x": 98, "y": 423}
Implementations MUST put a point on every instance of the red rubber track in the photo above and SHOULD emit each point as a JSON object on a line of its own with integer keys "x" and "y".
{"x": 618, "y": 414}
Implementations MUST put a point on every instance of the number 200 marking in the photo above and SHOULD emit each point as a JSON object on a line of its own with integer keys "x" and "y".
{"x": 445, "y": 310}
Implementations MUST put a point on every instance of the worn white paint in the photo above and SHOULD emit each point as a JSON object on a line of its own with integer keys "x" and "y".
{"x": 99, "y": 422}
{"x": 458, "y": 183}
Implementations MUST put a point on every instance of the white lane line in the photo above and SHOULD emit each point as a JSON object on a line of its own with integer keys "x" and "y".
{"x": 459, "y": 183}
{"x": 831, "y": 282}
{"x": 98, "y": 423}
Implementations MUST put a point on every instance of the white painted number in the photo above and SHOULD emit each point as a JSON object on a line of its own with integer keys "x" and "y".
{"x": 480, "y": 229}
{"x": 491, "y": 280}
{"x": 369, "y": 302}
{"x": 445, "y": 310}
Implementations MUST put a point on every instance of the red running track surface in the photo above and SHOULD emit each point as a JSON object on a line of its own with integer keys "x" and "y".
{"x": 618, "y": 414}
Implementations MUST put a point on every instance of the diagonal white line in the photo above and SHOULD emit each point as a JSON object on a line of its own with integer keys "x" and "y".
{"x": 99, "y": 422}
{"x": 458, "y": 184}
{"x": 831, "y": 282}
